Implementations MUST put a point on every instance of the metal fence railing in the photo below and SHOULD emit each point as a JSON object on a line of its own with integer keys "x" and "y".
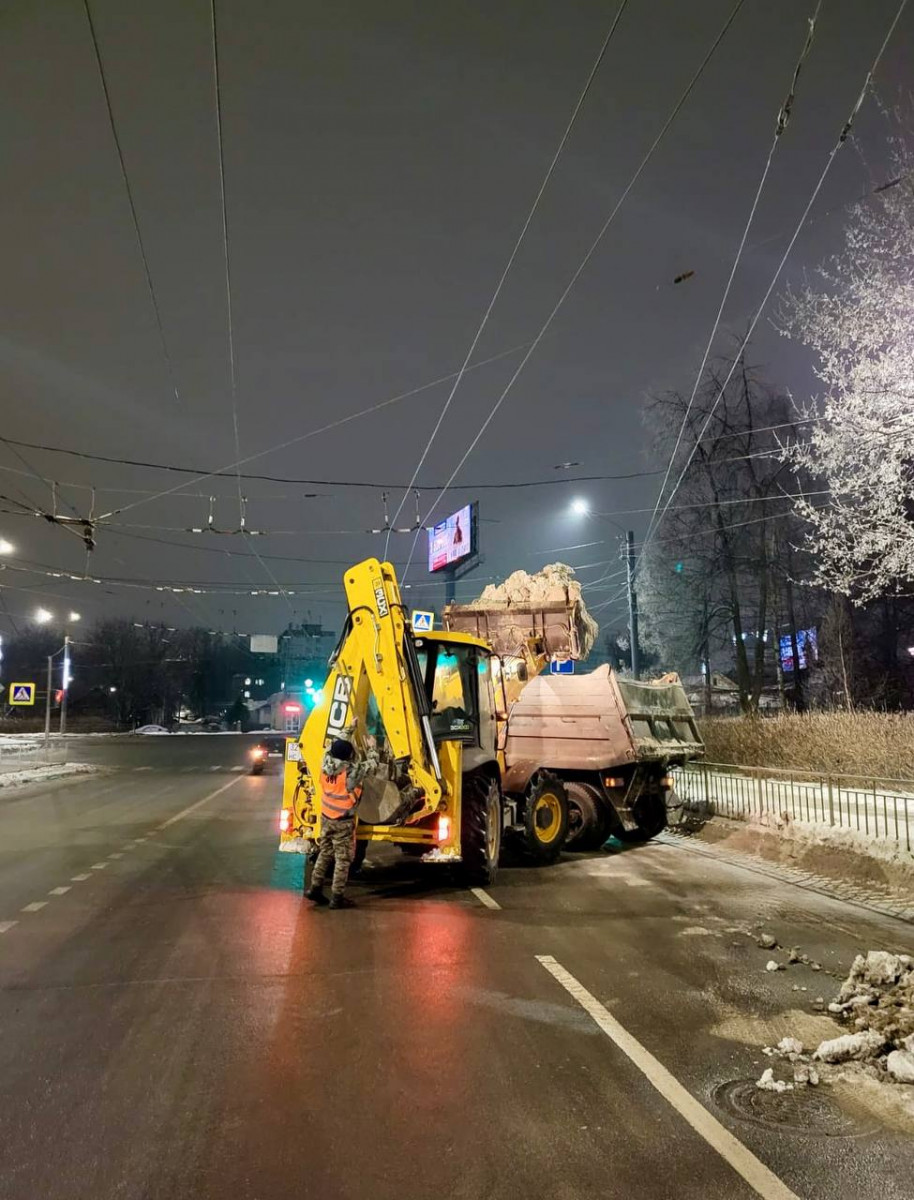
{"x": 873, "y": 808}
{"x": 21, "y": 753}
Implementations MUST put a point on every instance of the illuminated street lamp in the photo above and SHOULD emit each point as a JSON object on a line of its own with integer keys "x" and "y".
{"x": 580, "y": 507}
{"x": 6, "y": 547}
{"x": 43, "y": 615}
{"x": 75, "y": 616}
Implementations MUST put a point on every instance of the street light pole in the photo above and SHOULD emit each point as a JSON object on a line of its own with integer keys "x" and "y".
{"x": 66, "y": 683}
{"x": 632, "y": 604}
{"x": 47, "y": 703}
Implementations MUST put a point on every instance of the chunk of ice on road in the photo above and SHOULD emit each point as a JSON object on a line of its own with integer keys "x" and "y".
{"x": 768, "y": 1083}
{"x": 771, "y": 965}
{"x": 790, "y": 1045}
{"x": 865, "y": 1044}
{"x": 900, "y": 1065}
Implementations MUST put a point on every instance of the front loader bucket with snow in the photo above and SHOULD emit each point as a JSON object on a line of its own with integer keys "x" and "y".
{"x": 553, "y": 628}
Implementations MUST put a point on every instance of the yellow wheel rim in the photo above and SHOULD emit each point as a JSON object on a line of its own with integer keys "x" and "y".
{"x": 547, "y": 818}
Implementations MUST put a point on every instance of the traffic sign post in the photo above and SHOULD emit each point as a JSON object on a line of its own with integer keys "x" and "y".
{"x": 561, "y": 666}
{"x": 22, "y": 694}
{"x": 423, "y": 622}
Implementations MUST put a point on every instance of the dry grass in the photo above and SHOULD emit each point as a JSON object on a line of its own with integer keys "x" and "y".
{"x": 875, "y": 745}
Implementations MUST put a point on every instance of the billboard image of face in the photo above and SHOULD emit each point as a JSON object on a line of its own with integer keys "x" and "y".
{"x": 451, "y": 539}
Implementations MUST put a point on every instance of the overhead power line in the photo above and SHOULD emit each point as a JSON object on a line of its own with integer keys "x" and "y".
{"x": 841, "y": 139}
{"x": 510, "y": 263}
{"x": 584, "y": 261}
{"x": 781, "y": 123}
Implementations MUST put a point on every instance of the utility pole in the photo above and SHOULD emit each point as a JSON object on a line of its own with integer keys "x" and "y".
{"x": 66, "y": 683}
{"x": 47, "y": 703}
{"x": 632, "y": 605}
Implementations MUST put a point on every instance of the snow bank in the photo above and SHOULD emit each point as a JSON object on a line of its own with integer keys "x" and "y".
{"x": 40, "y": 774}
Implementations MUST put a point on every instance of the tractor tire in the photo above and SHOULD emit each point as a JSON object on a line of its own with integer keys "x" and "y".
{"x": 480, "y": 830}
{"x": 650, "y": 813}
{"x": 545, "y": 818}
{"x": 589, "y": 823}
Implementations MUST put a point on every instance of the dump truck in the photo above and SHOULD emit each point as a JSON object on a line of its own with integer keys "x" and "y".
{"x": 610, "y": 742}
{"x": 477, "y": 749}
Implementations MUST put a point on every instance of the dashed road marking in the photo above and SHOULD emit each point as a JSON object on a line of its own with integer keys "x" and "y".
{"x": 142, "y": 768}
{"x": 35, "y": 906}
{"x": 116, "y": 854}
{"x": 185, "y": 812}
{"x": 58, "y": 891}
{"x": 98, "y": 866}
{"x": 215, "y": 768}
{"x": 762, "y": 1181}
{"x": 79, "y": 878}
{"x": 138, "y": 841}
{"x": 5, "y": 926}
{"x": 484, "y": 898}
{"x": 238, "y": 768}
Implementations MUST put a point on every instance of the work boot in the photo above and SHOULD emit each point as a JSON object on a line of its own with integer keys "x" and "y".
{"x": 317, "y": 895}
{"x": 338, "y": 900}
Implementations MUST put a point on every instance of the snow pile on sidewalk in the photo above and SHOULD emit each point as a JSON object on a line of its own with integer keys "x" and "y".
{"x": 554, "y": 583}
{"x": 44, "y": 772}
{"x": 877, "y": 1001}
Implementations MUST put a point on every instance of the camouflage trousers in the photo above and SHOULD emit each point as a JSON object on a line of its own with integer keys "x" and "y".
{"x": 336, "y": 844}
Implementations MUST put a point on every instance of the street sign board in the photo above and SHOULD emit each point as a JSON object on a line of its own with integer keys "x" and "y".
{"x": 561, "y": 666}
{"x": 423, "y": 622}
{"x": 22, "y": 693}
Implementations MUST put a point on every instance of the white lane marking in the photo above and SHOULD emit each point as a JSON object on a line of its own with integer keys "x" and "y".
{"x": 7, "y": 925}
{"x": 215, "y": 768}
{"x": 117, "y": 854}
{"x": 238, "y": 768}
{"x": 185, "y": 812}
{"x": 764, "y": 1182}
{"x": 35, "y": 906}
{"x": 98, "y": 866}
{"x": 138, "y": 841}
{"x": 58, "y": 891}
{"x": 142, "y": 768}
{"x": 188, "y": 770}
{"x": 484, "y": 898}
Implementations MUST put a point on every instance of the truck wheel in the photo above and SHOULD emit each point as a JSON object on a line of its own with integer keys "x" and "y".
{"x": 545, "y": 818}
{"x": 650, "y": 813}
{"x": 480, "y": 830}
{"x": 588, "y": 820}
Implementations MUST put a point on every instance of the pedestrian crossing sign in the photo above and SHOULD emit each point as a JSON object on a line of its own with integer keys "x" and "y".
{"x": 22, "y": 693}
{"x": 423, "y": 622}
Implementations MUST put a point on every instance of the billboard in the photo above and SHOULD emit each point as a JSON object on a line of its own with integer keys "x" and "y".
{"x": 264, "y": 643}
{"x": 451, "y": 540}
{"x": 807, "y": 649}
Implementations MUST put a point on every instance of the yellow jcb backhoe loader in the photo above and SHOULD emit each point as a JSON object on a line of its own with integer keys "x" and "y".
{"x": 433, "y": 705}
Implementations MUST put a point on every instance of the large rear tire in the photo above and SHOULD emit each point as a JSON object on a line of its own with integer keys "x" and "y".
{"x": 589, "y": 821}
{"x": 480, "y": 830}
{"x": 545, "y": 818}
{"x": 650, "y": 813}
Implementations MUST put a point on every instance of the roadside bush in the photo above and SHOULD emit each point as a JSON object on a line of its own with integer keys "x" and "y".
{"x": 876, "y": 745}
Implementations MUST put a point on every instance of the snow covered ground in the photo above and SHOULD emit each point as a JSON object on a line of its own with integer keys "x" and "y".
{"x": 837, "y": 809}
{"x": 43, "y": 772}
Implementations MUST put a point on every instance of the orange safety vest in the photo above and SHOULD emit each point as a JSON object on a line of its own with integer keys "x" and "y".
{"x": 337, "y": 800}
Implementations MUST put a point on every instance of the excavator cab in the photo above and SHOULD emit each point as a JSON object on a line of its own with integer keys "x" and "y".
{"x": 458, "y": 676}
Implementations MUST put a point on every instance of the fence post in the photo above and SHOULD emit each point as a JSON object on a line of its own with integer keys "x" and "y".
{"x": 831, "y": 804}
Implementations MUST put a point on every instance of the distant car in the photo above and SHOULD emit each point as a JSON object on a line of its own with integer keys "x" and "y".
{"x": 151, "y": 729}
{"x": 268, "y": 747}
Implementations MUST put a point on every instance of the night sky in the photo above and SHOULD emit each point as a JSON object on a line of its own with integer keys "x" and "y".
{"x": 379, "y": 162}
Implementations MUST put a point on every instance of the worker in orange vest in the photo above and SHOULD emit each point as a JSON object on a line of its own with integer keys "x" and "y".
{"x": 343, "y": 770}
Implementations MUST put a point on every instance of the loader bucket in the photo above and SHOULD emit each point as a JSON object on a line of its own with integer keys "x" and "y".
{"x": 554, "y": 628}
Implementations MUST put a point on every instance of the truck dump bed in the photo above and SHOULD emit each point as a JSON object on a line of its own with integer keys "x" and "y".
{"x": 597, "y": 721}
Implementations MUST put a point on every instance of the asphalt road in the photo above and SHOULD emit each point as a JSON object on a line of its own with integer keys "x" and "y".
{"x": 176, "y": 1022}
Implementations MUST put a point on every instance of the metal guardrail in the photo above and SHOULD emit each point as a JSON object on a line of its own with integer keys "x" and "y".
{"x": 873, "y": 808}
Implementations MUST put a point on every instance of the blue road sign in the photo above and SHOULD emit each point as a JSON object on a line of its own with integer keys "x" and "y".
{"x": 561, "y": 666}
{"x": 423, "y": 622}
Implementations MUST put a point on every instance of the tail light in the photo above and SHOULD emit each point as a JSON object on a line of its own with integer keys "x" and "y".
{"x": 257, "y": 752}
{"x": 444, "y": 828}
{"x": 613, "y": 781}
{"x": 285, "y": 820}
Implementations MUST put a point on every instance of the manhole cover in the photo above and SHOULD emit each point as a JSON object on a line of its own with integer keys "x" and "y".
{"x": 804, "y": 1110}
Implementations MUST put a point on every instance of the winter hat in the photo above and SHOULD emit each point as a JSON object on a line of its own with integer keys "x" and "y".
{"x": 341, "y": 749}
